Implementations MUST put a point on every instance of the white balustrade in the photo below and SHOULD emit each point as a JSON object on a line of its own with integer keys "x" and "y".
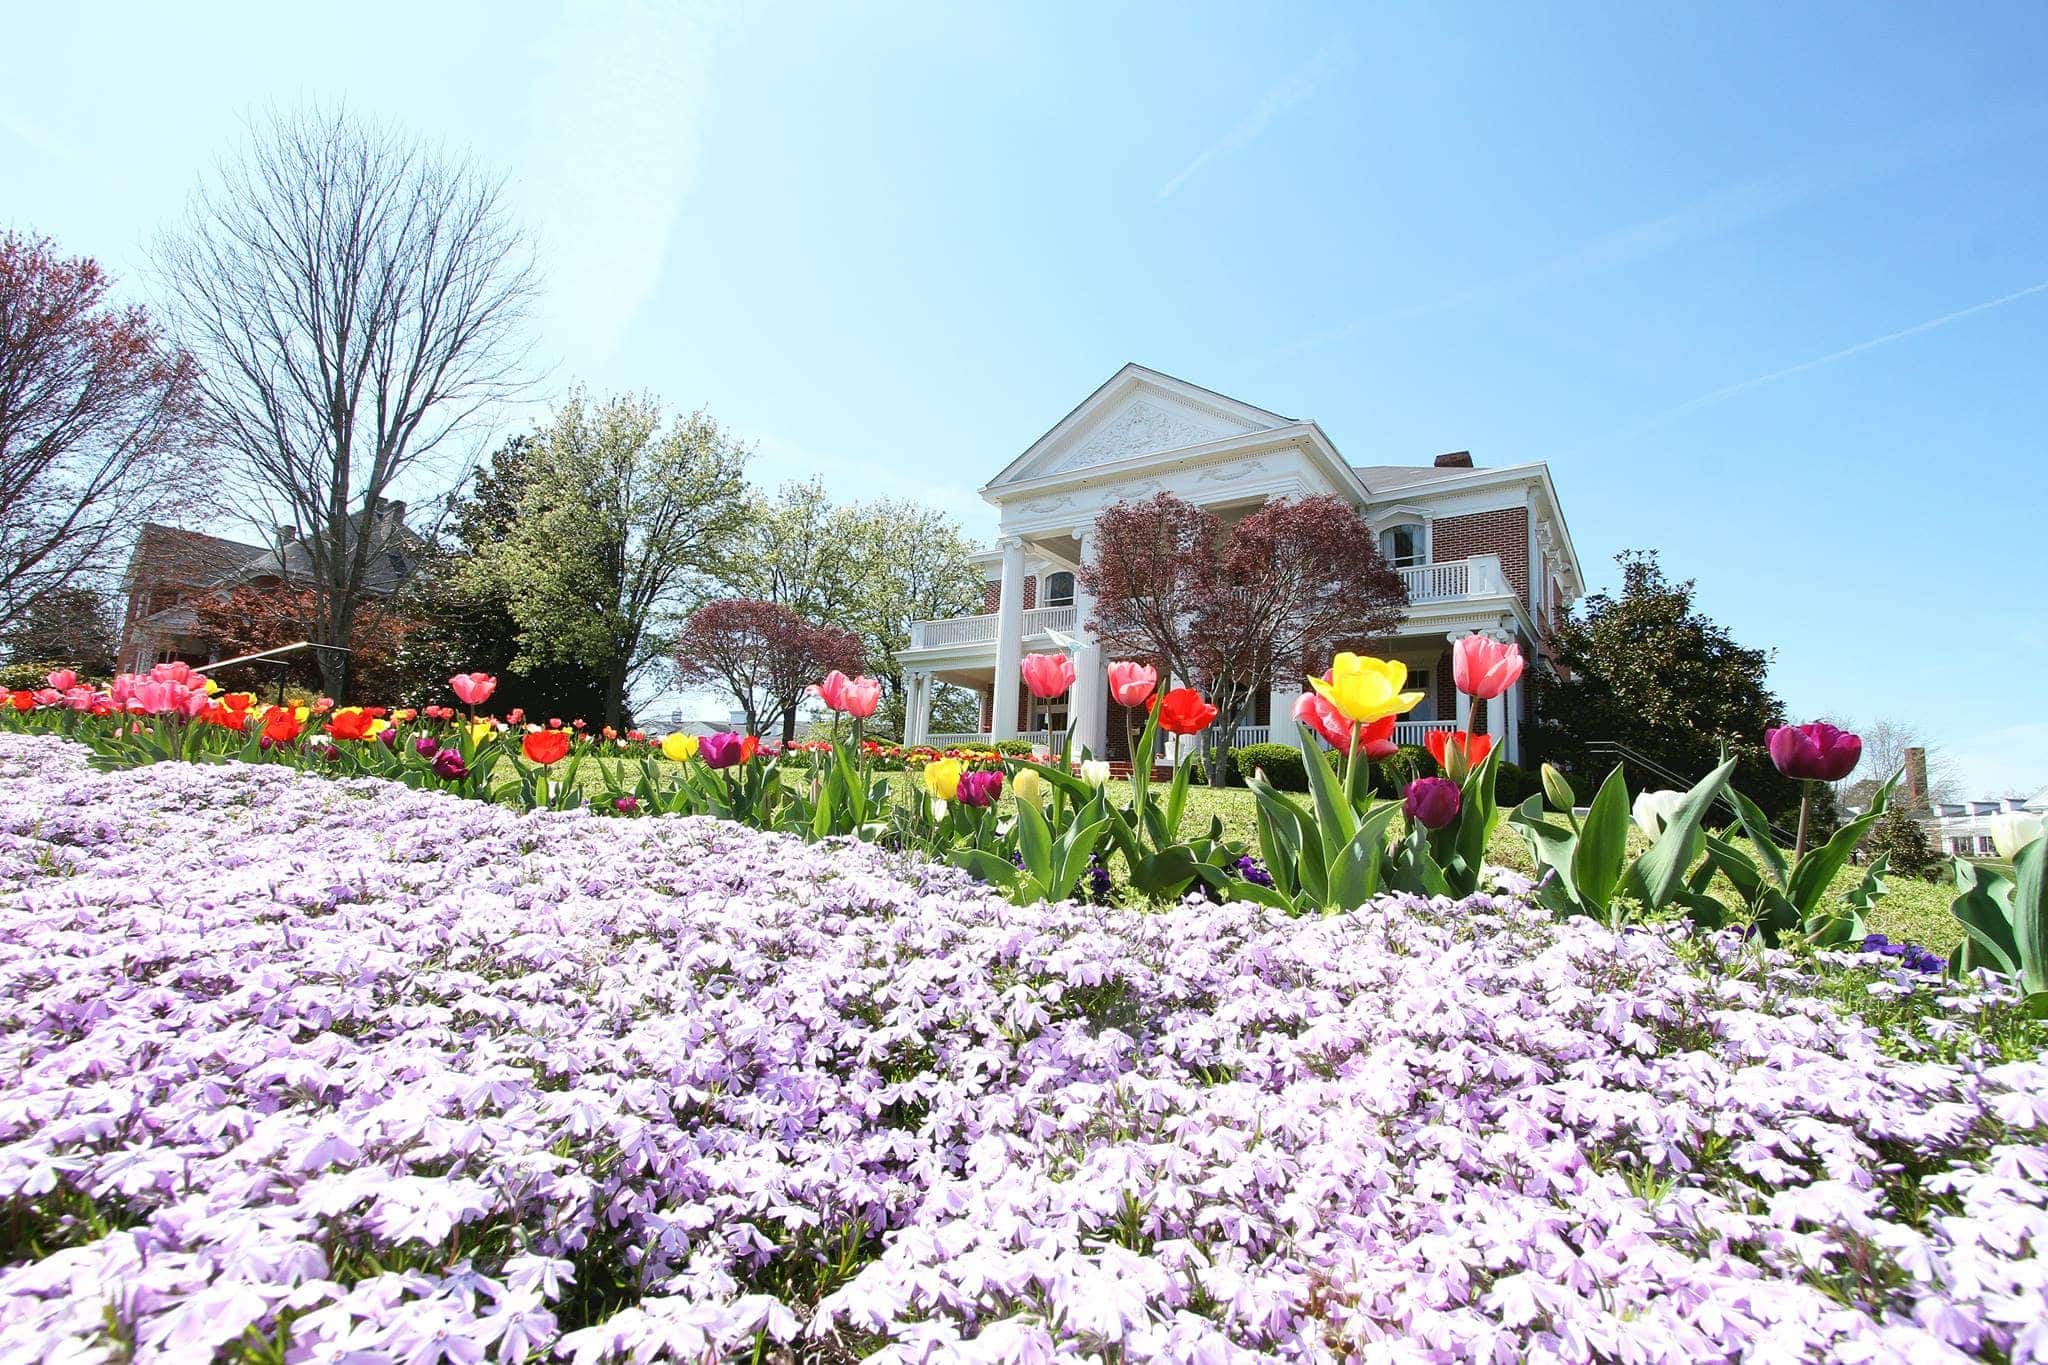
{"x": 952, "y": 739}
{"x": 1436, "y": 582}
{"x": 1041, "y": 619}
{"x": 1252, "y": 734}
{"x": 1412, "y": 731}
{"x": 957, "y": 630}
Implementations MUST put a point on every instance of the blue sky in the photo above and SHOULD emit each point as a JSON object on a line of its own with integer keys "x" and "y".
{"x": 1754, "y": 279}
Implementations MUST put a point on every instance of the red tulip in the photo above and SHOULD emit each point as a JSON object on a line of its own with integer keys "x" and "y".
{"x": 1131, "y": 684}
{"x": 1484, "y": 668}
{"x": 1474, "y": 748}
{"x": 22, "y": 701}
{"x": 1047, "y": 675}
{"x": 1183, "y": 712}
{"x": 546, "y": 746}
{"x": 1815, "y": 753}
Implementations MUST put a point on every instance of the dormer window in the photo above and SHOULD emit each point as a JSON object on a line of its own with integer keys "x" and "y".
{"x": 1059, "y": 590}
{"x": 1404, "y": 546}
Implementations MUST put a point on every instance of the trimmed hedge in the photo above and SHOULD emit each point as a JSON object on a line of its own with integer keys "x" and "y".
{"x": 1282, "y": 763}
{"x": 1016, "y": 748}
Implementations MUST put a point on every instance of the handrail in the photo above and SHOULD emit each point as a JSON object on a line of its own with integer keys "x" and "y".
{"x": 1623, "y": 754}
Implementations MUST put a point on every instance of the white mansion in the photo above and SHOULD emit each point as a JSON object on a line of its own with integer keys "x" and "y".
{"x": 1481, "y": 550}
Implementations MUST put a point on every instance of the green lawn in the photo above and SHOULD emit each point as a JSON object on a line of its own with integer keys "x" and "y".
{"x": 1913, "y": 910}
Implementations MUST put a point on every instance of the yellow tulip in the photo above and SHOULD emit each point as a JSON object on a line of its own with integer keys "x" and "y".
{"x": 1028, "y": 786}
{"x": 1364, "y": 689}
{"x": 678, "y": 747}
{"x": 481, "y": 731}
{"x": 942, "y": 778}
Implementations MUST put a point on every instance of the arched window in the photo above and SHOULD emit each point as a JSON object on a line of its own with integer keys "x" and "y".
{"x": 1059, "y": 590}
{"x": 1403, "y": 545}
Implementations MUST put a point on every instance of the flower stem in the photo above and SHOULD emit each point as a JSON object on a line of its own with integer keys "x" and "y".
{"x": 1805, "y": 810}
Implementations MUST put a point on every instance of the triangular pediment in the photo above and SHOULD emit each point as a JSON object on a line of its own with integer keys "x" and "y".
{"x": 1138, "y": 412}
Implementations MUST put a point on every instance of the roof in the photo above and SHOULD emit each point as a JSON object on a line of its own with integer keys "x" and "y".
{"x": 1382, "y": 477}
{"x": 189, "y": 557}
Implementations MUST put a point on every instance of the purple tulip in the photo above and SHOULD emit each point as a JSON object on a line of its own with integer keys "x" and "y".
{"x": 719, "y": 751}
{"x": 449, "y": 766}
{"x": 1432, "y": 802}
{"x": 626, "y": 805}
{"x": 426, "y": 746}
{"x": 979, "y": 788}
{"x": 1814, "y": 753}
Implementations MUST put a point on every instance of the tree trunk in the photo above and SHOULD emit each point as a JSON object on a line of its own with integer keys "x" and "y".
{"x": 615, "y": 692}
{"x": 788, "y": 724}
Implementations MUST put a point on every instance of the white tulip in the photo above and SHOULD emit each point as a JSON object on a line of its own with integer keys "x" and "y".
{"x": 2011, "y": 831}
{"x": 1094, "y": 772}
{"x": 1655, "y": 810}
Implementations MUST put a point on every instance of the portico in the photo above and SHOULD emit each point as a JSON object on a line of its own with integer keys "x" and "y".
{"x": 1478, "y": 550}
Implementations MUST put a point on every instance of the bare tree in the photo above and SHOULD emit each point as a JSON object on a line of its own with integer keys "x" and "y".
{"x": 355, "y": 299}
{"x": 96, "y": 425}
{"x": 1885, "y": 743}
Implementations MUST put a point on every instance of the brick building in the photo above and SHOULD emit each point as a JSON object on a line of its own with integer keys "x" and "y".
{"x": 1480, "y": 550}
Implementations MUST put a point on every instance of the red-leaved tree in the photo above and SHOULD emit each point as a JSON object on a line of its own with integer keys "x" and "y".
{"x": 97, "y": 419}
{"x": 249, "y": 620}
{"x": 765, "y": 655}
{"x": 1229, "y": 609}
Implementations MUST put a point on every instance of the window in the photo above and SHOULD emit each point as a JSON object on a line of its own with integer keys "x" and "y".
{"x": 1418, "y": 681}
{"x": 1403, "y": 545}
{"x": 1985, "y": 848}
{"x": 1059, "y": 590}
{"x": 1960, "y": 844}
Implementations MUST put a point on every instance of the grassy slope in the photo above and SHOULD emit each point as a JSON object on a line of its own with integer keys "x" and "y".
{"x": 1913, "y": 910}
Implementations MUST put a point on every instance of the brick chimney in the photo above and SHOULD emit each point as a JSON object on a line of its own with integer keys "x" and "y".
{"x": 1456, "y": 459}
{"x": 1916, "y": 779}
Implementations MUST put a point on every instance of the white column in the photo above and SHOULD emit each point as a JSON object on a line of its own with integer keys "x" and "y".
{"x": 1496, "y": 719}
{"x": 1009, "y": 640}
{"x": 1280, "y": 706}
{"x": 1090, "y": 711}
{"x": 917, "y": 709}
{"x": 1464, "y": 702}
{"x": 1513, "y": 740}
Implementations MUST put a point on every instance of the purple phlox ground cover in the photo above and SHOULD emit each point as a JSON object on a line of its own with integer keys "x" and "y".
{"x": 337, "y": 1070}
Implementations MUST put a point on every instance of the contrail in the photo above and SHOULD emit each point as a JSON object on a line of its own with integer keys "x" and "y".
{"x": 1915, "y": 330}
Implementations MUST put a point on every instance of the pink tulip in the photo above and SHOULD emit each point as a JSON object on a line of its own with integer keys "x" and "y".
{"x": 122, "y": 690}
{"x": 472, "y": 689}
{"x": 1131, "y": 683}
{"x": 832, "y": 691}
{"x": 63, "y": 680}
{"x": 1484, "y": 668}
{"x": 1047, "y": 675}
{"x": 863, "y": 695}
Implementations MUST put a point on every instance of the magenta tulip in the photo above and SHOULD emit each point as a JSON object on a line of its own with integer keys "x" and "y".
{"x": 63, "y": 680}
{"x": 1431, "y": 802}
{"x": 1817, "y": 752}
{"x": 979, "y": 787}
{"x": 720, "y": 751}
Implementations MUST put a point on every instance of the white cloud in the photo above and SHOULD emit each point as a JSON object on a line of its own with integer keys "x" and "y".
{"x": 612, "y": 115}
{"x": 1292, "y": 91}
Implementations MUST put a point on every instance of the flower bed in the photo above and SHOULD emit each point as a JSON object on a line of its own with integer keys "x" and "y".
{"x": 341, "y": 1070}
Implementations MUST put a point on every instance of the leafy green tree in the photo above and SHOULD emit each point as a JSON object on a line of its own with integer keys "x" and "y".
{"x": 621, "y": 520}
{"x": 73, "y": 626}
{"x": 463, "y": 612}
{"x": 872, "y": 567}
{"x": 1646, "y": 669}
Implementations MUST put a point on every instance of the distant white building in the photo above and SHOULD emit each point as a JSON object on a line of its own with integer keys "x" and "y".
{"x": 1964, "y": 827}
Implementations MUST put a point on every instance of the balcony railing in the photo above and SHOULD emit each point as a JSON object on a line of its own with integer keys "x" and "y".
{"x": 975, "y": 630}
{"x": 1455, "y": 579}
{"x": 1413, "y": 731}
{"x": 1452, "y": 581}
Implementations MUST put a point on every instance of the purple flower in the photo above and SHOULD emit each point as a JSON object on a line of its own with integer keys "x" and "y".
{"x": 1253, "y": 871}
{"x": 1815, "y": 752}
{"x": 426, "y": 746}
{"x": 626, "y": 805}
{"x": 1431, "y": 802}
{"x": 719, "y": 751}
{"x": 449, "y": 766}
{"x": 979, "y": 787}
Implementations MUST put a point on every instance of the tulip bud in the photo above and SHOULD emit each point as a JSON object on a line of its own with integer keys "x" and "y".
{"x": 1094, "y": 772}
{"x": 1557, "y": 789}
{"x": 1028, "y": 787}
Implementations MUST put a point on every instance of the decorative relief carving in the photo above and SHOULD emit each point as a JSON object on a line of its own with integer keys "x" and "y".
{"x": 1049, "y": 504}
{"x": 1139, "y": 429}
{"x": 1227, "y": 472}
